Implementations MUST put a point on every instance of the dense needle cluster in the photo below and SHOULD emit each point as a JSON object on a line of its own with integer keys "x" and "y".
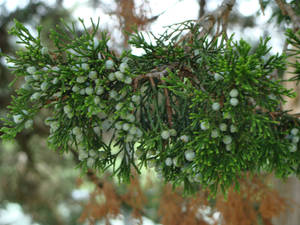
{"x": 200, "y": 111}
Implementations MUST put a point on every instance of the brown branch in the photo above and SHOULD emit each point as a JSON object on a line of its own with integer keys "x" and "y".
{"x": 286, "y": 9}
{"x": 208, "y": 21}
{"x": 168, "y": 105}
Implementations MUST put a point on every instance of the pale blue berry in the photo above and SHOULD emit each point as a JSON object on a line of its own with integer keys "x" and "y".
{"x": 18, "y": 118}
{"x": 35, "y": 96}
{"x": 31, "y": 70}
{"x": 111, "y": 76}
{"x": 85, "y": 66}
{"x": 81, "y": 79}
{"x": 215, "y": 134}
{"x": 90, "y": 162}
{"x": 233, "y": 129}
{"x": 234, "y": 93}
{"x": 44, "y": 51}
{"x": 67, "y": 109}
{"x": 97, "y": 100}
{"x": 293, "y": 148}
{"x": 165, "y": 134}
{"x": 28, "y": 124}
{"x": 173, "y": 132}
{"x": 168, "y": 161}
{"x": 216, "y": 106}
{"x": 223, "y": 127}
{"x": 128, "y": 80}
{"x": 234, "y": 101}
{"x": 295, "y": 139}
{"x": 126, "y": 126}
{"x": 109, "y": 64}
{"x": 204, "y": 125}
{"x": 136, "y": 98}
{"x": 119, "y": 75}
{"x": 99, "y": 90}
{"x": 218, "y": 77}
{"x": 184, "y": 138}
{"x": 93, "y": 75}
{"x": 123, "y": 66}
{"x": 227, "y": 139}
{"x": 294, "y": 131}
{"x": 189, "y": 155}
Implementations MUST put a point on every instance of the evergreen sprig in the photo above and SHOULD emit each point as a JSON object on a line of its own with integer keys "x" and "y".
{"x": 202, "y": 111}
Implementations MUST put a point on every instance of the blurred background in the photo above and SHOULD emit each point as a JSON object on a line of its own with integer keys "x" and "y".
{"x": 42, "y": 187}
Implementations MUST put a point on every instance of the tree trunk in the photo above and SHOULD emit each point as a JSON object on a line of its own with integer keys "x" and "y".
{"x": 290, "y": 189}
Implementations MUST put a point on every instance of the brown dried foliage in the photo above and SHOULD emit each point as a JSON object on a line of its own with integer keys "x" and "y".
{"x": 256, "y": 201}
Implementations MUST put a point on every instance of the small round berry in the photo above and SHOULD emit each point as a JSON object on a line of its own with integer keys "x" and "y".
{"x": 151, "y": 163}
{"x": 119, "y": 106}
{"x": 93, "y": 75}
{"x": 223, "y": 127}
{"x": 176, "y": 162}
{"x": 99, "y": 90}
{"x": 294, "y": 131}
{"x": 18, "y": 118}
{"x": 90, "y": 162}
{"x": 109, "y": 64}
{"x": 82, "y": 91}
{"x": 111, "y": 76}
{"x": 55, "y": 81}
{"x": 168, "y": 161}
{"x": 44, "y": 86}
{"x": 28, "y": 124}
{"x": 233, "y": 129}
{"x": 184, "y": 138}
{"x": 173, "y": 132}
{"x": 67, "y": 109}
{"x": 139, "y": 133}
{"x": 85, "y": 66}
{"x": 123, "y": 66}
{"x": 234, "y": 93}
{"x": 136, "y": 98}
{"x": 133, "y": 130}
{"x": 228, "y": 147}
{"x": 93, "y": 153}
{"x": 96, "y": 42}
{"x": 126, "y": 126}
{"x": 234, "y": 101}
{"x": 31, "y": 70}
{"x": 35, "y": 96}
{"x": 227, "y": 139}
{"x": 218, "y": 77}
{"x": 165, "y": 134}
{"x": 102, "y": 154}
{"x": 128, "y": 80}
{"x": 130, "y": 118}
{"x": 216, "y": 106}
{"x": 293, "y": 148}
{"x": 89, "y": 90}
{"x": 295, "y": 139}
{"x": 215, "y": 134}
{"x": 81, "y": 79}
{"x": 119, "y": 75}
{"x": 83, "y": 155}
{"x": 44, "y": 51}
{"x": 226, "y": 115}
{"x": 204, "y": 125}
{"x": 129, "y": 138}
{"x": 113, "y": 94}
{"x": 189, "y": 155}
{"x": 97, "y": 100}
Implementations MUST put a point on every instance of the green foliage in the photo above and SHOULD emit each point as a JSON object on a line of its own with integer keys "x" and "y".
{"x": 201, "y": 111}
